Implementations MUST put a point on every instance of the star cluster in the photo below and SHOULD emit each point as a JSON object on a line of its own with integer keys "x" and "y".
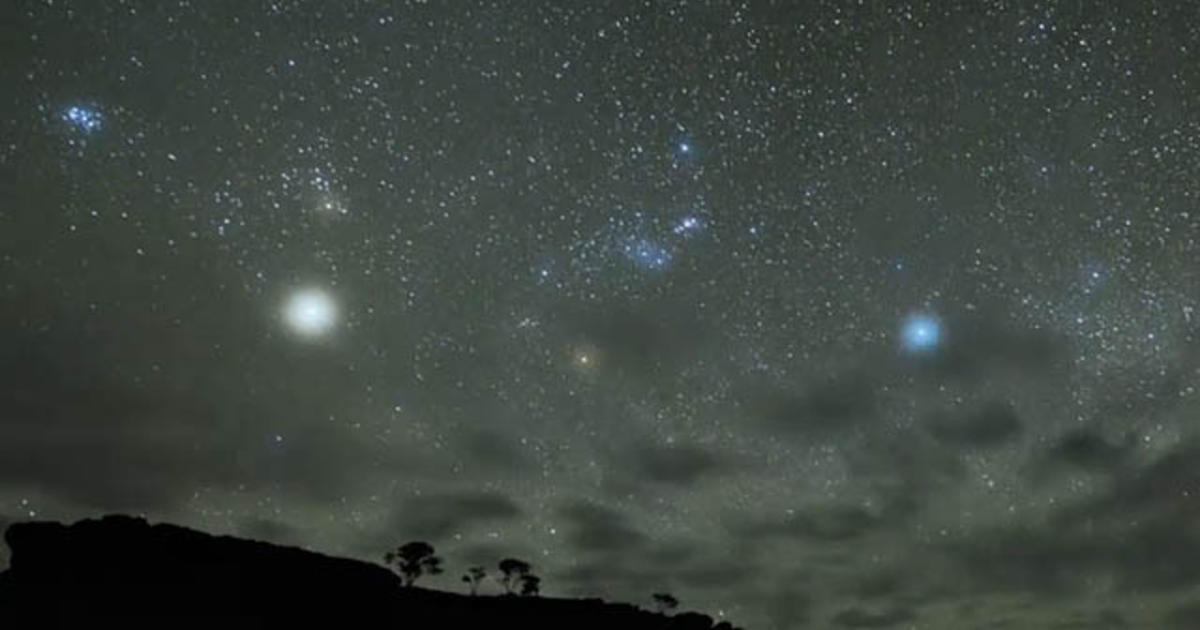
{"x": 813, "y": 314}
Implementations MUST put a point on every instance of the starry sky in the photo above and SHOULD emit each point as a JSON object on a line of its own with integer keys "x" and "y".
{"x": 814, "y": 314}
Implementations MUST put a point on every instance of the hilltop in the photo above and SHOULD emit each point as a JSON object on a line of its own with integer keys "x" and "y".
{"x": 121, "y": 571}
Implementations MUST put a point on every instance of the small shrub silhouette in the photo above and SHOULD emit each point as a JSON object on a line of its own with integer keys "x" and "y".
{"x": 473, "y": 577}
{"x": 665, "y": 602}
{"x": 530, "y": 585}
{"x": 512, "y": 573}
{"x": 414, "y": 559}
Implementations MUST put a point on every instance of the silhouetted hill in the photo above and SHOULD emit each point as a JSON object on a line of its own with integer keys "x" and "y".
{"x": 123, "y": 572}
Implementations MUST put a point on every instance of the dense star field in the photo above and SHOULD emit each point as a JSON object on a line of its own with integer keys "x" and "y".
{"x": 813, "y": 314}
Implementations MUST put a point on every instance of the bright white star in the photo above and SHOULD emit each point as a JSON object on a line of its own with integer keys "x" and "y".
{"x": 920, "y": 333}
{"x": 311, "y": 312}
{"x": 84, "y": 119}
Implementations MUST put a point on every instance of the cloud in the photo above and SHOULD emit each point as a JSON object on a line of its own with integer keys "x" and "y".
{"x": 785, "y": 606}
{"x": 830, "y": 406}
{"x": 1183, "y": 617}
{"x": 859, "y": 618}
{"x": 608, "y": 578}
{"x": 980, "y": 347}
{"x": 992, "y": 424}
{"x": 435, "y": 517}
{"x": 73, "y": 426}
{"x": 1086, "y": 450}
{"x": 486, "y": 555}
{"x": 634, "y": 340}
{"x": 594, "y": 528}
{"x": 904, "y": 469}
{"x": 1097, "y": 620}
{"x": 1137, "y": 533}
{"x": 680, "y": 465}
{"x": 716, "y": 573}
{"x": 269, "y": 530}
{"x": 1162, "y": 489}
{"x": 1150, "y": 395}
{"x": 670, "y": 553}
{"x": 1031, "y": 560}
{"x": 492, "y": 452}
{"x": 825, "y": 523}
{"x": 98, "y": 445}
{"x": 876, "y": 585}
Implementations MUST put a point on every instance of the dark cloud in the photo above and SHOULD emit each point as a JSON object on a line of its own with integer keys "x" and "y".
{"x": 99, "y": 445}
{"x": 609, "y": 577}
{"x": 829, "y": 406}
{"x": 487, "y": 555}
{"x": 904, "y": 469}
{"x": 978, "y": 347}
{"x": 670, "y": 553}
{"x": 859, "y": 618}
{"x": 1098, "y": 620}
{"x": 1138, "y": 531}
{"x": 1086, "y": 450}
{"x": 1089, "y": 450}
{"x": 786, "y": 607}
{"x": 1183, "y": 617}
{"x": 436, "y": 517}
{"x": 492, "y": 452}
{"x": 76, "y": 426}
{"x": 990, "y": 425}
{"x": 655, "y": 568}
{"x": 714, "y": 573}
{"x": 682, "y": 465}
{"x": 825, "y": 523}
{"x": 632, "y": 339}
{"x": 876, "y": 585}
{"x": 1026, "y": 560}
{"x": 1160, "y": 490}
{"x": 269, "y": 530}
{"x": 594, "y": 528}
{"x": 1148, "y": 396}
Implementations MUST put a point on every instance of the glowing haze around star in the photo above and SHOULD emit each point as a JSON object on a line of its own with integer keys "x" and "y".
{"x": 920, "y": 333}
{"x": 311, "y": 313}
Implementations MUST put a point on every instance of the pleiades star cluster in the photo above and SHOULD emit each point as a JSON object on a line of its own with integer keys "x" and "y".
{"x": 813, "y": 314}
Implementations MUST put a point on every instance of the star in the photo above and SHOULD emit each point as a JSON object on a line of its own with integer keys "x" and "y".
{"x": 311, "y": 313}
{"x": 920, "y": 332}
{"x": 84, "y": 119}
{"x": 647, "y": 254}
{"x": 687, "y": 224}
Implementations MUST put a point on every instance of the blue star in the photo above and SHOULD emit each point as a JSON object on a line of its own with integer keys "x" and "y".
{"x": 647, "y": 254}
{"x": 687, "y": 224}
{"x": 84, "y": 119}
{"x": 920, "y": 333}
{"x": 1095, "y": 276}
{"x": 683, "y": 150}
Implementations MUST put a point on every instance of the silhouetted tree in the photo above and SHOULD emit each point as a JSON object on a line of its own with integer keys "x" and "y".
{"x": 473, "y": 577}
{"x": 512, "y": 570}
{"x": 665, "y": 602}
{"x": 413, "y": 560}
{"x": 530, "y": 585}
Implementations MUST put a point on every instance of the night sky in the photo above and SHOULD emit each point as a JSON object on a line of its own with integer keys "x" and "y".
{"x": 813, "y": 314}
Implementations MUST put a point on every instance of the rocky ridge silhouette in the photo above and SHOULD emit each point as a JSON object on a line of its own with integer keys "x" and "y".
{"x": 123, "y": 572}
